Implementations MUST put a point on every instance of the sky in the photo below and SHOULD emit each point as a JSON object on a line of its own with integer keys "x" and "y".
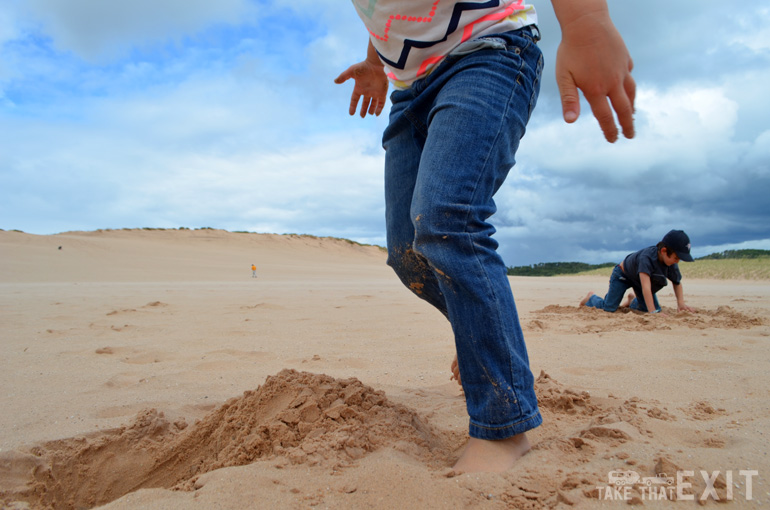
{"x": 192, "y": 113}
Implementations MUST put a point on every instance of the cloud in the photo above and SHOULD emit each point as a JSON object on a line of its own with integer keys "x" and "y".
{"x": 218, "y": 134}
{"x": 206, "y": 152}
{"x": 94, "y": 29}
{"x": 753, "y": 34}
{"x": 573, "y": 197}
{"x": 325, "y": 186}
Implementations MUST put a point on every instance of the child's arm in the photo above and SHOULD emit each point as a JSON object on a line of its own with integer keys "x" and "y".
{"x": 647, "y": 293}
{"x": 371, "y": 84}
{"x": 592, "y": 57}
{"x": 679, "y": 293}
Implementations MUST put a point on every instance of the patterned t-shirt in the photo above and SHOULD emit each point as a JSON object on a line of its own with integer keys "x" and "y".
{"x": 413, "y": 36}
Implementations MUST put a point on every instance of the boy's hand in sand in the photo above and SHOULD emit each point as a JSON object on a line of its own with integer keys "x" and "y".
{"x": 592, "y": 57}
{"x": 371, "y": 84}
{"x": 684, "y": 308}
{"x": 455, "y": 368}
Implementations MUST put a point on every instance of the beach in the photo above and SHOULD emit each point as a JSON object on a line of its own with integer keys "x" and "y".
{"x": 149, "y": 369}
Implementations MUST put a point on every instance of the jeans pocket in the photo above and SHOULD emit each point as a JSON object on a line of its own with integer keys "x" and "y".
{"x": 482, "y": 43}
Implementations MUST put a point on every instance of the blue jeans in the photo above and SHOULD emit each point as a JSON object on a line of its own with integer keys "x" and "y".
{"x": 450, "y": 143}
{"x": 619, "y": 284}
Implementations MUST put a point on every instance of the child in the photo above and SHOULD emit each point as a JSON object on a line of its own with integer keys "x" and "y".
{"x": 646, "y": 271}
{"x": 467, "y": 76}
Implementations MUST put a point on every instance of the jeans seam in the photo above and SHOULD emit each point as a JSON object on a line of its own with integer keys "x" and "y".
{"x": 535, "y": 87}
{"x": 499, "y": 318}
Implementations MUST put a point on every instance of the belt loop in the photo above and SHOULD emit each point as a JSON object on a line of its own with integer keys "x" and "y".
{"x": 535, "y": 32}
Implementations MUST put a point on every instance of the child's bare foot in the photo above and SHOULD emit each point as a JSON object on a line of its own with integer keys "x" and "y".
{"x": 630, "y": 298}
{"x": 483, "y": 456}
{"x": 455, "y": 369}
{"x": 585, "y": 299}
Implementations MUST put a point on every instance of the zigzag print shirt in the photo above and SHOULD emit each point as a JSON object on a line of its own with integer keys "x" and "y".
{"x": 413, "y": 36}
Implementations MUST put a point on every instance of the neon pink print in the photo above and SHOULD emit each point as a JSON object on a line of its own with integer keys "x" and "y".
{"x": 426, "y": 63}
{"x": 412, "y": 37}
{"x": 518, "y": 6}
{"x": 408, "y": 19}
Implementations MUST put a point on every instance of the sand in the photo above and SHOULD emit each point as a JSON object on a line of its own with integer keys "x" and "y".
{"x": 148, "y": 369}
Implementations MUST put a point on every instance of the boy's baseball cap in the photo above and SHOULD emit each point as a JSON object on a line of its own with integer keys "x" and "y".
{"x": 678, "y": 241}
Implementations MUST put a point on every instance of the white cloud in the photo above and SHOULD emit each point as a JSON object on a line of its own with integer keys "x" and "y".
{"x": 94, "y": 29}
{"x": 210, "y": 152}
{"x": 682, "y": 128}
{"x": 687, "y": 114}
{"x": 753, "y": 32}
{"x": 316, "y": 185}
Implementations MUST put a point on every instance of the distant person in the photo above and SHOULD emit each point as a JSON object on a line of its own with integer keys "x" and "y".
{"x": 647, "y": 271}
{"x": 253, "y": 271}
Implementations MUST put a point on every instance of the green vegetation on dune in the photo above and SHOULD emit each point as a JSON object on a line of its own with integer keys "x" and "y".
{"x": 556, "y": 268}
{"x": 737, "y": 254}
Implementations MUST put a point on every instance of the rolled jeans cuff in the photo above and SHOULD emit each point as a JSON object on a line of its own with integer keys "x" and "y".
{"x": 497, "y": 433}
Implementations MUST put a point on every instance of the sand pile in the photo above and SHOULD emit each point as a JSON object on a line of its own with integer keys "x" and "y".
{"x": 303, "y": 417}
{"x": 299, "y": 418}
{"x": 592, "y": 320}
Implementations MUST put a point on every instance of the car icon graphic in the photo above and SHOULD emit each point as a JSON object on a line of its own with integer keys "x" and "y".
{"x": 620, "y": 478}
{"x": 659, "y": 479}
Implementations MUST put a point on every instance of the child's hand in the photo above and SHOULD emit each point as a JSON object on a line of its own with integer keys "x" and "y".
{"x": 684, "y": 308}
{"x": 592, "y": 57}
{"x": 371, "y": 85}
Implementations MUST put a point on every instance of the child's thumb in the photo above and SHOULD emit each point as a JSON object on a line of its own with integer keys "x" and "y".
{"x": 342, "y": 78}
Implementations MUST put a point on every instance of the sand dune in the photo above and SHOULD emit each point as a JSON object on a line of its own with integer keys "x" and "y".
{"x": 148, "y": 369}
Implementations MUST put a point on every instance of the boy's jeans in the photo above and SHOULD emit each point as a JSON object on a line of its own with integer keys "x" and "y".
{"x": 619, "y": 284}
{"x": 449, "y": 146}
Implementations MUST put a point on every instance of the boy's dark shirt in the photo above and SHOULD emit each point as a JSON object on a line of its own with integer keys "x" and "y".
{"x": 646, "y": 261}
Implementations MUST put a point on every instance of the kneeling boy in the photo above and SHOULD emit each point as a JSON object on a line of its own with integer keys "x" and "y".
{"x": 647, "y": 271}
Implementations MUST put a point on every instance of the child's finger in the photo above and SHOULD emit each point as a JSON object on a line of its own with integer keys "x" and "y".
{"x": 623, "y": 104}
{"x": 603, "y": 113}
{"x": 354, "y": 98}
{"x": 374, "y": 107}
{"x": 570, "y": 98}
{"x": 365, "y": 106}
